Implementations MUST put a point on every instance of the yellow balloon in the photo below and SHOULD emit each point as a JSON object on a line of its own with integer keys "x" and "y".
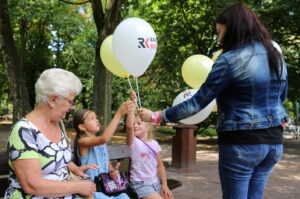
{"x": 109, "y": 60}
{"x": 216, "y": 55}
{"x": 195, "y": 70}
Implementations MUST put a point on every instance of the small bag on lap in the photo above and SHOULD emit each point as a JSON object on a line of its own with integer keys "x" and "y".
{"x": 112, "y": 187}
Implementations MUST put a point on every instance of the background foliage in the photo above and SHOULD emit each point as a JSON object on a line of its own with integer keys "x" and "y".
{"x": 55, "y": 34}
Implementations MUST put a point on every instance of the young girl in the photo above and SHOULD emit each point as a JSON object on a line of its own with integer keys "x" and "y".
{"x": 148, "y": 174}
{"x": 89, "y": 148}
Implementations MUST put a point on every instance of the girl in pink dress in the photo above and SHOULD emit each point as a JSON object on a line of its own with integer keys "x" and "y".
{"x": 148, "y": 174}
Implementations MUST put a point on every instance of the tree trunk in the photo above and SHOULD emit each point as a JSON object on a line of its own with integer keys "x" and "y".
{"x": 105, "y": 23}
{"x": 13, "y": 68}
{"x": 102, "y": 91}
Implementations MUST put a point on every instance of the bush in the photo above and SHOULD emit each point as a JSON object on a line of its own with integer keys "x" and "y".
{"x": 167, "y": 130}
{"x": 207, "y": 132}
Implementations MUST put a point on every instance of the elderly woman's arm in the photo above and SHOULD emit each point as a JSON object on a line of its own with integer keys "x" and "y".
{"x": 29, "y": 174}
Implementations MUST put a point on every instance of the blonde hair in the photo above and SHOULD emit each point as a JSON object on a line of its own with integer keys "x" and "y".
{"x": 148, "y": 125}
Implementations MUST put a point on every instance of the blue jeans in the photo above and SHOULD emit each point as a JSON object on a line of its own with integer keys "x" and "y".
{"x": 244, "y": 169}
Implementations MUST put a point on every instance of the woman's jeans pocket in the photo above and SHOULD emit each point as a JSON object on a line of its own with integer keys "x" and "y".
{"x": 255, "y": 154}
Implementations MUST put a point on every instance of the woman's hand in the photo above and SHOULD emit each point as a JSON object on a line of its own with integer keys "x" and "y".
{"x": 145, "y": 114}
{"x": 166, "y": 193}
{"x": 86, "y": 188}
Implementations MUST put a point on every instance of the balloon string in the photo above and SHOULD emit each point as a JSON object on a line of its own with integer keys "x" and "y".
{"x": 136, "y": 104}
{"x": 137, "y": 87}
{"x": 129, "y": 83}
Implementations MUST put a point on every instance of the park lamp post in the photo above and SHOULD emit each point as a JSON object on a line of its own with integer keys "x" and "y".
{"x": 297, "y": 112}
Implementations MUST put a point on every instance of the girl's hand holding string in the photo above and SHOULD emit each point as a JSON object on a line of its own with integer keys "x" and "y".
{"x": 126, "y": 107}
{"x": 133, "y": 97}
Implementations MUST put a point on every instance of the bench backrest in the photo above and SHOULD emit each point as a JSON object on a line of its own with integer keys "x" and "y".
{"x": 118, "y": 151}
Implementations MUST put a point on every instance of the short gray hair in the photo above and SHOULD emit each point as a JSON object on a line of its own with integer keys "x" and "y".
{"x": 56, "y": 81}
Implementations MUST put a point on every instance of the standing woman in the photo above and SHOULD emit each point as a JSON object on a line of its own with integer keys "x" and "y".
{"x": 249, "y": 81}
{"x": 39, "y": 155}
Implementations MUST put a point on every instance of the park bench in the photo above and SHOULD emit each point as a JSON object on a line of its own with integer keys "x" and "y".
{"x": 117, "y": 152}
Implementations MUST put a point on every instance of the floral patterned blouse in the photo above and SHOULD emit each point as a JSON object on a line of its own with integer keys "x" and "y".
{"x": 27, "y": 142}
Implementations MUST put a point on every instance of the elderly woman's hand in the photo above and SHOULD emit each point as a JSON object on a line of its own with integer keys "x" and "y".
{"x": 87, "y": 188}
{"x": 145, "y": 114}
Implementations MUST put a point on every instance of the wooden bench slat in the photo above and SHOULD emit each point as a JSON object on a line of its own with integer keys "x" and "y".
{"x": 172, "y": 183}
{"x": 3, "y": 186}
{"x": 3, "y": 163}
{"x": 119, "y": 151}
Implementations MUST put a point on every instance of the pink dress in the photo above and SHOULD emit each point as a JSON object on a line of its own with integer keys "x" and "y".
{"x": 144, "y": 162}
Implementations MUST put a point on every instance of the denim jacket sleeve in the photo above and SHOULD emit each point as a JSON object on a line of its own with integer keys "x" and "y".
{"x": 285, "y": 90}
{"x": 217, "y": 80}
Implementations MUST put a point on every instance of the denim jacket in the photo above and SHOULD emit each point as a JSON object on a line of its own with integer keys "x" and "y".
{"x": 248, "y": 94}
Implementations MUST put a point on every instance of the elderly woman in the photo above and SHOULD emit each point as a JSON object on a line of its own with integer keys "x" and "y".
{"x": 39, "y": 153}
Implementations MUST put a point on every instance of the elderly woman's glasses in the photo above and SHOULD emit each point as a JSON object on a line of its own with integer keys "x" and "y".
{"x": 70, "y": 101}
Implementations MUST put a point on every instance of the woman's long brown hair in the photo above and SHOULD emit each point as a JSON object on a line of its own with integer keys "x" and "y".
{"x": 244, "y": 27}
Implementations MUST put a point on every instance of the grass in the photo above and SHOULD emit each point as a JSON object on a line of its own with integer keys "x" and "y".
{"x": 201, "y": 132}
{"x": 166, "y": 130}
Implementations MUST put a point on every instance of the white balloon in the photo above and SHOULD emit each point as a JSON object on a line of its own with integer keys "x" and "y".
{"x": 134, "y": 45}
{"x": 277, "y": 46}
{"x": 198, "y": 117}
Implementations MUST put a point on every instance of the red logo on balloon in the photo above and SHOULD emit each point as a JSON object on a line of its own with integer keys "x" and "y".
{"x": 147, "y": 42}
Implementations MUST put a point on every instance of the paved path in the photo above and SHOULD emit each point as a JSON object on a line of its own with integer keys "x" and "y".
{"x": 284, "y": 182}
